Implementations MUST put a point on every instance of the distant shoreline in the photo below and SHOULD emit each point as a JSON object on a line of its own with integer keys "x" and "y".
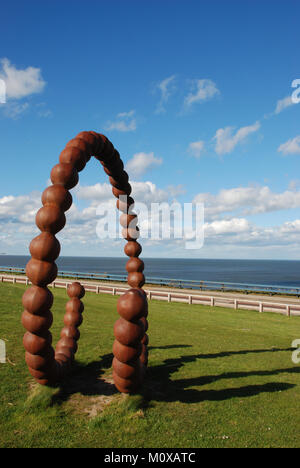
{"x": 259, "y": 272}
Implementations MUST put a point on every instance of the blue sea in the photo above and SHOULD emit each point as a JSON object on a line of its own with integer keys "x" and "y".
{"x": 271, "y": 272}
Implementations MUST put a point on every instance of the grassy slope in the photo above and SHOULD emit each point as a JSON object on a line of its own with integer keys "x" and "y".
{"x": 217, "y": 378}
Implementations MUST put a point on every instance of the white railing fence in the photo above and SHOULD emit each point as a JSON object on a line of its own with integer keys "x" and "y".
{"x": 171, "y": 296}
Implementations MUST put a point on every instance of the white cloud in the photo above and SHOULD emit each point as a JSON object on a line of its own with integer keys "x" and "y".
{"x": 292, "y": 146}
{"x": 123, "y": 115}
{"x": 226, "y": 141}
{"x": 202, "y": 90}
{"x": 21, "y": 83}
{"x": 294, "y": 184}
{"x": 143, "y": 192}
{"x": 227, "y": 226}
{"x": 43, "y": 111}
{"x": 20, "y": 209}
{"x": 247, "y": 201}
{"x": 125, "y": 122}
{"x": 175, "y": 190}
{"x": 141, "y": 163}
{"x": 285, "y": 236}
{"x": 99, "y": 192}
{"x": 234, "y": 233}
{"x": 283, "y": 104}
{"x": 238, "y": 235}
{"x": 291, "y": 227}
{"x": 196, "y": 148}
{"x": 166, "y": 88}
{"x": 17, "y": 217}
{"x": 14, "y": 109}
{"x": 147, "y": 192}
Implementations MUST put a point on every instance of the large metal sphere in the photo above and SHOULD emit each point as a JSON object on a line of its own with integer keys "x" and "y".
{"x": 37, "y": 323}
{"x": 132, "y": 249}
{"x": 74, "y": 156}
{"x": 37, "y": 300}
{"x": 128, "y": 333}
{"x": 57, "y": 195}
{"x": 76, "y": 290}
{"x": 41, "y": 273}
{"x": 64, "y": 174}
{"x": 45, "y": 247}
{"x": 131, "y": 305}
{"x": 126, "y": 353}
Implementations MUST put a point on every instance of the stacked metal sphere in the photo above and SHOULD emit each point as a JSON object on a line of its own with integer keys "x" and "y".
{"x": 130, "y": 348}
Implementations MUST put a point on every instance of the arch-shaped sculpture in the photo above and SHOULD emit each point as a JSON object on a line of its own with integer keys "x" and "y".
{"x": 130, "y": 347}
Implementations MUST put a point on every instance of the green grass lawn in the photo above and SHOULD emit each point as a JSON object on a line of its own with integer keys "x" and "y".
{"x": 217, "y": 378}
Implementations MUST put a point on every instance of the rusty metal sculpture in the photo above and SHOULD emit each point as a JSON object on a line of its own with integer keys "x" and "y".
{"x": 130, "y": 347}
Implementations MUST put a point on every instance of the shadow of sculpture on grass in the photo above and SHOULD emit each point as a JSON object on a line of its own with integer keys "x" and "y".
{"x": 90, "y": 380}
{"x": 161, "y": 386}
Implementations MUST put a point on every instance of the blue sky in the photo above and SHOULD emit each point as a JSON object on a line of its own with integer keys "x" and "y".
{"x": 196, "y": 96}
